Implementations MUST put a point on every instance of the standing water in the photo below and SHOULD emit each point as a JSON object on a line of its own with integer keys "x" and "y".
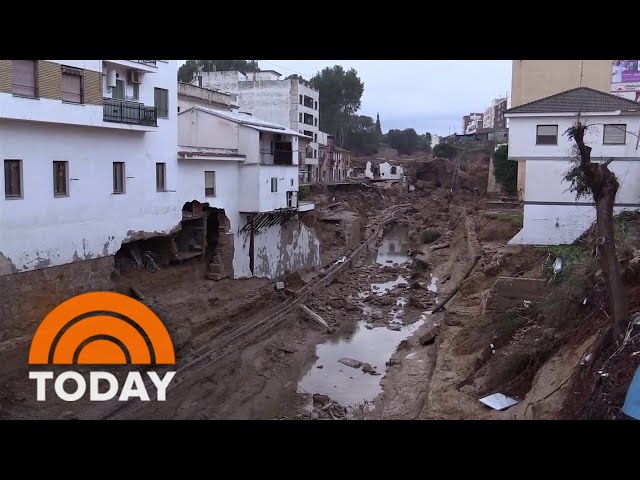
{"x": 374, "y": 345}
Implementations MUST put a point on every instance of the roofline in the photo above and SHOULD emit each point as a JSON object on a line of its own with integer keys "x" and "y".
{"x": 248, "y": 123}
{"x": 564, "y": 92}
{"x": 610, "y": 113}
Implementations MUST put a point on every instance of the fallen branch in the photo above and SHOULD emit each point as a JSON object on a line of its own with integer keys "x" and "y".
{"x": 315, "y": 317}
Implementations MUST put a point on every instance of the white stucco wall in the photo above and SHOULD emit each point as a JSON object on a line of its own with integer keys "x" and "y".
{"x": 552, "y": 214}
{"x": 197, "y": 128}
{"x": 385, "y": 171}
{"x": 39, "y": 230}
{"x": 522, "y": 137}
{"x": 556, "y": 224}
{"x": 277, "y": 250}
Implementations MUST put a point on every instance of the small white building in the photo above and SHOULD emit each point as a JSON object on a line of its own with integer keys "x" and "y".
{"x": 246, "y": 169}
{"x": 265, "y": 94}
{"x": 89, "y": 153}
{"x": 537, "y": 138}
{"x": 383, "y": 171}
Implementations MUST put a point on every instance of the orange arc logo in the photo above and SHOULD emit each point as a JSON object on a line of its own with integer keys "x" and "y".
{"x": 101, "y": 328}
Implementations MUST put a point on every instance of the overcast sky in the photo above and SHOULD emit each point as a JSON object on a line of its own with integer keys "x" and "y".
{"x": 427, "y": 95}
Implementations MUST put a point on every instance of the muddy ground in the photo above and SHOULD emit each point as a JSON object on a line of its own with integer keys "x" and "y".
{"x": 394, "y": 349}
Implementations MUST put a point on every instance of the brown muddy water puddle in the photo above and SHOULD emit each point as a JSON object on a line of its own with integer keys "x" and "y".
{"x": 348, "y": 386}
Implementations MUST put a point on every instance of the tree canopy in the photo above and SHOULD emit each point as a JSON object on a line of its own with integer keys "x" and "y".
{"x": 340, "y": 95}
{"x": 505, "y": 170}
{"x": 361, "y": 136}
{"x": 444, "y": 150}
{"x": 186, "y": 71}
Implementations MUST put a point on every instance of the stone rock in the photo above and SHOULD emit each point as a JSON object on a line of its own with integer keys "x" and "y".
{"x": 389, "y": 261}
{"x": 367, "y": 368}
{"x": 368, "y": 326}
{"x": 452, "y": 322}
{"x": 320, "y": 400}
{"x": 429, "y": 336}
{"x": 389, "y": 269}
{"x": 350, "y": 362}
{"x": 395, "y": 327}
{"x": 386, "y": 301}
{"x": 315, "y": 415}
{"x": 350, "y": 306}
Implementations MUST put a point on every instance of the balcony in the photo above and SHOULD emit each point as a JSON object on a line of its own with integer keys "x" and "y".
{"x": 276, "y": 157}
{"x": 132, "y": 113}
{"x": 151, "y": 63}
{"x": 148, "y": 66}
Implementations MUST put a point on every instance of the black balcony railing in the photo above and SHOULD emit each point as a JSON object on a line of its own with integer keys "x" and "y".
{"x": 151, "y": 63}
{"x": 133, "y": 113}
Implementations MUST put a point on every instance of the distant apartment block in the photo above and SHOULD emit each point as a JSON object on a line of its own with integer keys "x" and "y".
{"x": 467, "y": 119}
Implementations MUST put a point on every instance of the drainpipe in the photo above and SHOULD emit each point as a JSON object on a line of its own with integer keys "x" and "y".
{"x": 251, "y": 245}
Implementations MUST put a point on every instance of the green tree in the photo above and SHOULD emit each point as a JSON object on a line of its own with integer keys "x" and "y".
{"x": 444, "y": 150}
{"x": 186, "y": 71}
{"x": 505, "y": 171}
{"x": 378, "y": 126}
{"x": 425, "y": 142}
{"x": 340, "y": 95}
{"x": 361, "y": 136}
{"x": 405, "y": 141}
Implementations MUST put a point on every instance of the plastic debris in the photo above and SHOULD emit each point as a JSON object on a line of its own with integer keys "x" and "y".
{"x": 557, "y": 265}
{"x": 279, "y": 285}
{"x": 526, "y": 303}
{"x": 498, "y": 401}
{"x": 584, "y": 302}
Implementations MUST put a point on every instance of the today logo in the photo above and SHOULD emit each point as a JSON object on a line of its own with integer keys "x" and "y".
{"x": 101, "y": 328}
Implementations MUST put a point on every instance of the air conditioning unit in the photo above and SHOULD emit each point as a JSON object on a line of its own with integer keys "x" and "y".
{"x": 134, "y": 76}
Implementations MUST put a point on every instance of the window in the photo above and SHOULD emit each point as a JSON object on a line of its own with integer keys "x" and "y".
{"x": 393, "y": 170}
{"x": 300, "y": 117}
{"x": 274, "y": 184}
{"x": 136, "y": 91}
{"x": 615, "y": 134}
{"x": 60, "y": 179}
{"x": 161, "y": 177}
{"x": 118, "y": 90}
{"x": 316, "y": 106}
{"x": 13, "y": 178}
{"x": 161, "y": 101}
{"x": 23, "y": 74}
{"x": 210, "y": 184}
{"x": 547, "y": 135}
{"x": 71, "y": 85}
{"x": 118, "y": 177}
{"x": 315, "y": 121}
{"x": 315, "y": 137}
{"x": 315, "y": 154}
{"x": 292, "y": 182}
{"x": 300, "y": 99}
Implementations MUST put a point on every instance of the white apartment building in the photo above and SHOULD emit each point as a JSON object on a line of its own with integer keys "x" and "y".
{"x": 285, "y": 102}
{"x": 538, "y": 142}
{"x": 474, "y": 124}
{"x": 245, "y": 171}
{"x": 89, "y": 153}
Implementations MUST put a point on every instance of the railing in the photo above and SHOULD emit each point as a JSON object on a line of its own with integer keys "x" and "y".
{"x": 151, "y": 63}
{"x": 120, "y": 111}
{"x": 276, "y": 157}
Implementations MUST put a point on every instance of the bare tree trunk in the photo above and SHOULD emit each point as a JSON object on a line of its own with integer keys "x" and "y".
{"x": 604, "y": 186}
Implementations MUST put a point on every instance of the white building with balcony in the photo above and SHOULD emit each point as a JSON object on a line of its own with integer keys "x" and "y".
{"x": 246, "y": 169}
{"x": 285, "y": 102}
{"x": 537, "y": 138}
{"x": 89, "y": 154}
